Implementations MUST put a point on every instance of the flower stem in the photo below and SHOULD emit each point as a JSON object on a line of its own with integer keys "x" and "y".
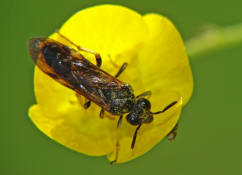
{"x": 214, "y": 38}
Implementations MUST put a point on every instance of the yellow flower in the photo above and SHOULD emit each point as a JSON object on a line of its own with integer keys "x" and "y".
{"x": 157, "y": 61}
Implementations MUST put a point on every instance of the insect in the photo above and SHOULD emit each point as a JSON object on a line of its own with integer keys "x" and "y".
{"x": 68, "y": 67}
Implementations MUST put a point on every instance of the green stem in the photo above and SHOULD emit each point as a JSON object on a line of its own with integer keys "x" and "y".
{"x": 214, "y": 38}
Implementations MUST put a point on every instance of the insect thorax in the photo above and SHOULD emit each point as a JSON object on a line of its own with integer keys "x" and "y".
{"x": 121, "y": 100}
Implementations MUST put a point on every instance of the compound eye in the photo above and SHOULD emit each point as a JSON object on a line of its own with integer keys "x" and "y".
{"x": 144, "y": 103}
{"x": 132, "y": 119}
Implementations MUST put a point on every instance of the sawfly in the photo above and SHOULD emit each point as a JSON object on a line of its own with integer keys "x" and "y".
{"x": 68, "y": 67}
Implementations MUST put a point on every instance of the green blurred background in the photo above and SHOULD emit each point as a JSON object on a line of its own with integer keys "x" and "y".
{"x": 210, "y": 133}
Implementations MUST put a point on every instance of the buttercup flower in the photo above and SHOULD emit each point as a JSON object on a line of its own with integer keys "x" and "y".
{"x": 157, "y": 61}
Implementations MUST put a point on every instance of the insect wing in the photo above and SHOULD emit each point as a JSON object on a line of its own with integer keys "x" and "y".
{"x": 72, "y": 70}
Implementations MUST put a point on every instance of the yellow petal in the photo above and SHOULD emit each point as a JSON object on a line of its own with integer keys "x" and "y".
{"x": 74, "y": 131}
{"x": 164, "y": 69}
{"x": 116, "y": 32}
{"x": 167, "y": 68}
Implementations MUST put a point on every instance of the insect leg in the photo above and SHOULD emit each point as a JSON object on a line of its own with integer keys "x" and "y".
{"x": 172, "y": 134}
{"x": 87, "y": 103}
{"x": 101, "y": 115}
{"x": 145, "y": 94}
{"x": 117, "y": 140}
{"x": 83, "y": 102}
{"x": 108, "y": 115}
{"x": 121, "y": 69}
{"x": 134, "y": 137}
{"x": 97, "y": 55}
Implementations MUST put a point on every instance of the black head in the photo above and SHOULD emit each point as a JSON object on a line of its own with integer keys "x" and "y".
{"x": 140, "y": 112}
